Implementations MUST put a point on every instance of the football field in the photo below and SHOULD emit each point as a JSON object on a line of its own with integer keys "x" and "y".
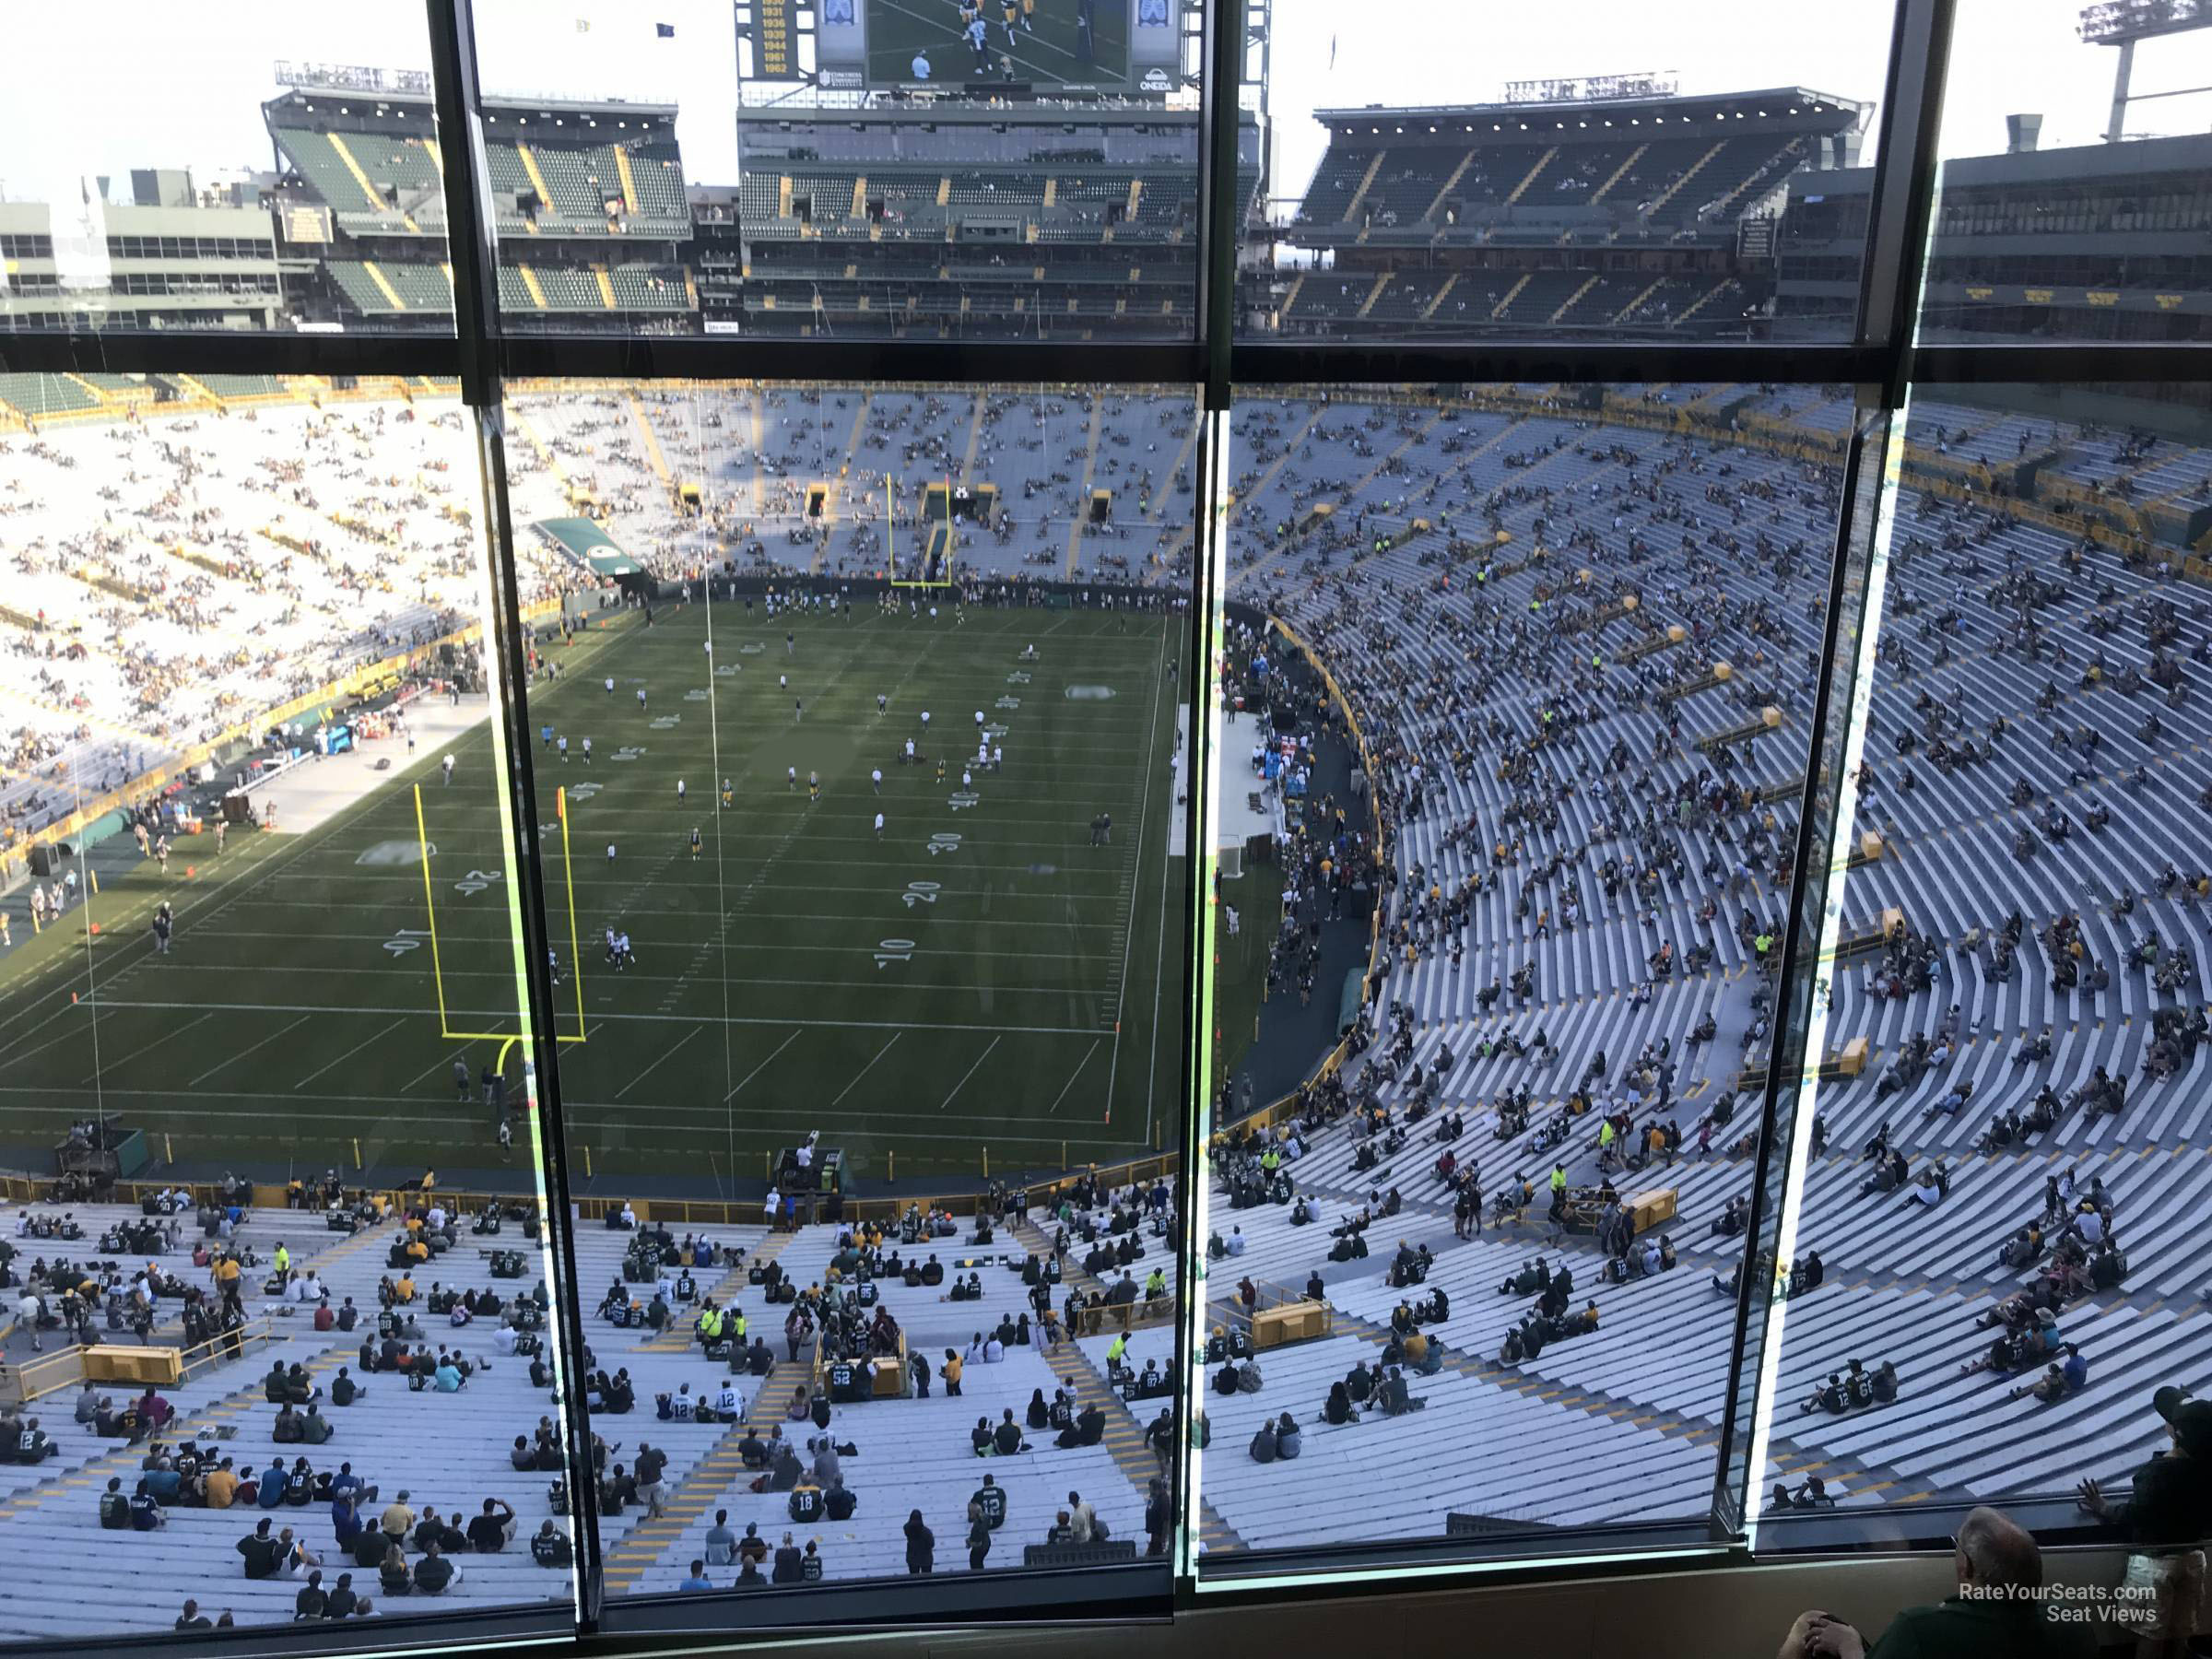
{"x": 1050, "y": 50}
{"x": 978, "y": 979}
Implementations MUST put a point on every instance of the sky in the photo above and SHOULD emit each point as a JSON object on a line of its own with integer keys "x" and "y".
{"x": 182, "y": 85}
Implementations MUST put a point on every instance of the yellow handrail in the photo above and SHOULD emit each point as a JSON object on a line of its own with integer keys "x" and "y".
{"x": 260, "y": 1330}
{"x": 20, "y": 1384}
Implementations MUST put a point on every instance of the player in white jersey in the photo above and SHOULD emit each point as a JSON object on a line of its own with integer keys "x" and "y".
{"x": 679, "y": 792}
{"x": 879, "y": 826}
{"x": 587, "y": 751}
{"x": 610, "y": 685}
{"x": 449, "y": 768}
{"x": 641, "y": 699}
{"x": 790, "y": 779}
{"x": 876, "y": 777}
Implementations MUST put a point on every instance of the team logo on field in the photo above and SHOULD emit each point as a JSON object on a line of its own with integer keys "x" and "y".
{"x": 393, "y": 854}
{"x": 1089, "y": 693}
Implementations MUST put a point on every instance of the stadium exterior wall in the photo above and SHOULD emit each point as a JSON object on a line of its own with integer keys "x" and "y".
{"x": 25, "y": 1189}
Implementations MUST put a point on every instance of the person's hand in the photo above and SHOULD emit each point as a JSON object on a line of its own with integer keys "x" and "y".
{"x": 1832, "y": 1639}
{"x": 2093, "y": 1500}
{"x": 1799, "y": 1641}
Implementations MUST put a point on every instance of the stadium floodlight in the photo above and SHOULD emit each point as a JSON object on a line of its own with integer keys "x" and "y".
{"x": 2110, "y": 22}
{"x": 2122, "y": 23}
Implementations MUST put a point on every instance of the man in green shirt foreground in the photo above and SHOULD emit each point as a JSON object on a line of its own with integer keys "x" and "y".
{"x": 1997, "y": 1612}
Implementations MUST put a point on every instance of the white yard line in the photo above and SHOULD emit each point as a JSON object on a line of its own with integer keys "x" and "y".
{"x": 433, "y": 1069}
{"x": 387, "y": 1119}
{"x": 870, "y": 1067}
{"x": 1143, "y": 812}
{"x": 666, "y": 1055}
{"x": 230, "y": 1060}
{"x": 764, "y": 1065}
{"x": 93, "y": 1076}
{"x": 968, "y": 1074}
{"x": 348, "y": 1054}
{"x": 98, "y": 1010}
{"x": 1159, "y": 960}
{"x": 1071, "y": 1076}
{"x": 222, "y": 898}
{"x": 996, "y": 1029}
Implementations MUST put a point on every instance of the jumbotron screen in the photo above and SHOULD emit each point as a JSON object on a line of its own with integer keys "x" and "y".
{"x": 1110, "y": 46}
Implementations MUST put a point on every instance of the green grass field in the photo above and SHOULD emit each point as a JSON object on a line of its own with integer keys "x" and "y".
{"x": 1035, "y": 1012}
{"x": 1049, "y": 51}
{"x": 1240, "y": 979}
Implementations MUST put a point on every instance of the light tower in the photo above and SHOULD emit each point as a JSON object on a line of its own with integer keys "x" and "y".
{"x": 2123, "y": 22}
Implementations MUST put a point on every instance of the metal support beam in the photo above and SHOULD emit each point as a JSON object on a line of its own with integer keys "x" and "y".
{"x": 2122, "y": 72}
{"x": 1220, "y": 210}
{"x": 474, "y": 253}
{"x": 1904, "y": 186}
{"x": 1774, "y": 1166}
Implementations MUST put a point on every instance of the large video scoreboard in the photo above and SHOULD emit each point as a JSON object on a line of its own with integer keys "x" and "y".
{"x": 1112, "y": 47}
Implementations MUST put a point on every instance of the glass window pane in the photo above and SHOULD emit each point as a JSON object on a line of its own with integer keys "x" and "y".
{"x": 1518, "y": 686}
{"x": 1449, "y": 173}
{"x": 2073, "y": 199}
{"x": 859, "y": 740}
{"x": 2009, "y": 1025}
{"x": 1023, "y": 170}
{"x": 258, "y": 993}
{"x": 302, "y": 196}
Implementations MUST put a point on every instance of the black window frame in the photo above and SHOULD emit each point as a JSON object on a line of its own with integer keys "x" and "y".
{"x": 1881, "y": 357}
